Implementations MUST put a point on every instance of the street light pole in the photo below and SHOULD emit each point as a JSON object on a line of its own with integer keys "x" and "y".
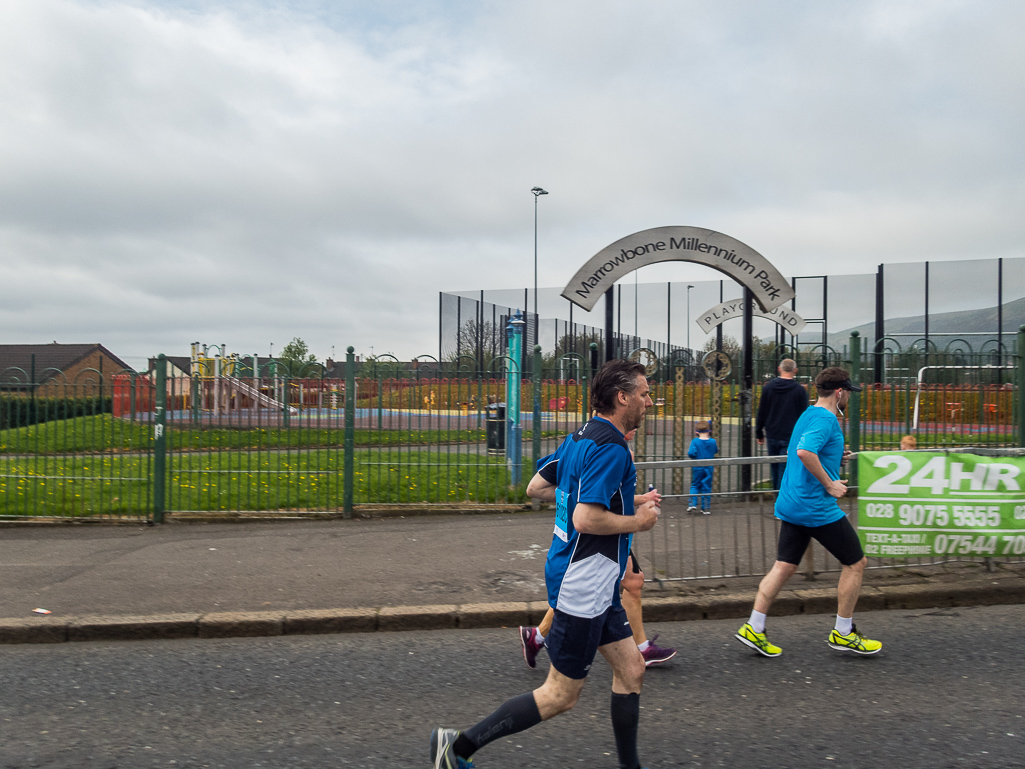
{"x": 538, "y": 192}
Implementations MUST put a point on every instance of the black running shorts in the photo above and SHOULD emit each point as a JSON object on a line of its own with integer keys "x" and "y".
{"x": 573, "y": 641}
{"x": 839, "y": 538}
{"x": 635, "y": 567}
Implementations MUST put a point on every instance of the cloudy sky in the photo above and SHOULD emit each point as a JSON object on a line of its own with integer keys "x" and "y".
{"x": 244, "y": 172}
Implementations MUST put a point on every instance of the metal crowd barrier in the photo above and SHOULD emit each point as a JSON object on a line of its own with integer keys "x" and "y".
{"x": 738, "y": 538}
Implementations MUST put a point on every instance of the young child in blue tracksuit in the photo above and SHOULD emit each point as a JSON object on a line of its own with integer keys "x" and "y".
{"x": 702, "y": 447}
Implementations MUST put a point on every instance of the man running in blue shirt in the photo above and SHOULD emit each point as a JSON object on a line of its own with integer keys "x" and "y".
{"x": 595, "y": 480}
{"x": 807, "y": 509}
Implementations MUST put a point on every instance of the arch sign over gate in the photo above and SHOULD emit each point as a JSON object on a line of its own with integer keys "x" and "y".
{"x": 680, "y": 244}
{"x": 762, "y": 284}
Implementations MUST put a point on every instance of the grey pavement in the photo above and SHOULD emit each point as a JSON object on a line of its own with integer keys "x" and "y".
{"x": 367, "y": 574}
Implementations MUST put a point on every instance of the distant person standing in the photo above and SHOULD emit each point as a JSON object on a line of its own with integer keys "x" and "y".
{"x": 702, "y": 447}
{"x": 783, "y": 401}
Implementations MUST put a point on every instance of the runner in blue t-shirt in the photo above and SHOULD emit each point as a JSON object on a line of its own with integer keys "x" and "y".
{"x": 532, "y": 638}
{"x": 807, "y": 508}
{"x": 594, "y": 474}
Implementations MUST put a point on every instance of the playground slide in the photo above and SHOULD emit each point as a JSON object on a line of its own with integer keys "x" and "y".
{"x": 251, "y": 392}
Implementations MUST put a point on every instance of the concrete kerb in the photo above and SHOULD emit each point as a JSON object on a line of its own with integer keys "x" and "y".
{"x": 132, "y": 628}
{"x": 726, "y": 605}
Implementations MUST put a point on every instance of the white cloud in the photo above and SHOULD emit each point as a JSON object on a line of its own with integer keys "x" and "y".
{"x": 264, "y": 170}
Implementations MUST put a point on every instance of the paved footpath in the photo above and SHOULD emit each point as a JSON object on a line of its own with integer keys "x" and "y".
{"x": 390, "y": 573}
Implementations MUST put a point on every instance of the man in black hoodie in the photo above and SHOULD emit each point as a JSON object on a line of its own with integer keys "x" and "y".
{"x": 784, "y": 399}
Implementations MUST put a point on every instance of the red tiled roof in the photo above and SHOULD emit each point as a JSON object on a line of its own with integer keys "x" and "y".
{"x": 17, "y": 363}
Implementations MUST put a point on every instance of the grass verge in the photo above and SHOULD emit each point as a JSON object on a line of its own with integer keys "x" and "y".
{"x": 309, "y": 480}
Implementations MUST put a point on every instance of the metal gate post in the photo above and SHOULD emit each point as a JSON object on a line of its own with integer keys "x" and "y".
{"x": 746, "y": 394}
{"x": 584, "y": 396}
{"x": 594, "y": 370}
{"x": 536, "y": 430}
{"x": 160, "y": 442}
{"x": 678, "y": 450}
{"x": 854, "y": 407}
{"x": 1021, "y": 385}
{"x": 640, "y": 454}
{"x": 350, "y": 431}
{"x": 716, "y": 391}
{"x": 537, "y": 407}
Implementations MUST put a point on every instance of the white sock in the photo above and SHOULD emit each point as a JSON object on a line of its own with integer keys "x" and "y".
{"x": 844, "y": 625}
{"x": 538, "y": 637}
{"x": 643, "y": 646}
{"x": 757, "y": 621}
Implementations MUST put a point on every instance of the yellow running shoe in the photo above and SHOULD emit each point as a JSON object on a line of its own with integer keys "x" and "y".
{"x": 757, "y": 641}
{"x": 854, "y": 642}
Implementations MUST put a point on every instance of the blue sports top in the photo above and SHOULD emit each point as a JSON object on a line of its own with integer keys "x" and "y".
{"x": 802, "y": 499}
{"x": 592, "y": 465}
{"x": 703, "y": 449}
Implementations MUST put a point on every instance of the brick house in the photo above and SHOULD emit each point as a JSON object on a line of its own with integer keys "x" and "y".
{"x": 59, "y": 370}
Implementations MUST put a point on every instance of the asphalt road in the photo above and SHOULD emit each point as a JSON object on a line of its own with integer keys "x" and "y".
{"x": 945, "y": 692}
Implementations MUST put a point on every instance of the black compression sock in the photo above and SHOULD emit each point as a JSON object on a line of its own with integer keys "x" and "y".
{"x": 463, "y": 747}
{"x": 515, "y": 715}
{"x": 626, "y": 710}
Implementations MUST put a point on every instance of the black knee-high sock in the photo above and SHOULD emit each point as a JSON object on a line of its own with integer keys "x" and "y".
{"x": 626, "y": 711}
{"x": 513, "y": 716}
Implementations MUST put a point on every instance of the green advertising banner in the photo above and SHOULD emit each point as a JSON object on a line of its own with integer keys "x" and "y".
{"x": 926, "y": 504}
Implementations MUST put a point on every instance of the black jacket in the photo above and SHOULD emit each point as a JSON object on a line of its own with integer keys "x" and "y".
{"x": 782, "y": 402}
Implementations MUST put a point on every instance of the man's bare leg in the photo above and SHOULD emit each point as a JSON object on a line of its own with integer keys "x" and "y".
{"x": 557, "y": 694}
{"x": 772, "y": 583}
{"x": 627, "y": 666}
{"x": 849, "y": 588}
{"x": 546, "y": 622}
{"x": 631, "y": 596}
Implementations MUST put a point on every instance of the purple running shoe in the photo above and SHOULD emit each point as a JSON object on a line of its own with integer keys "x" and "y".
{"x": 531, "y": 646}
{"x": 656, "y": 655}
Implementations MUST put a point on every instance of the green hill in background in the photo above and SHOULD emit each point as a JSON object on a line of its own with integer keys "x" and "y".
{"x": 945, "y": 326}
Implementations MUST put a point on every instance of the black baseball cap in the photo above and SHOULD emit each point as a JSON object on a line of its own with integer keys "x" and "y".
{"x": 835, "y": 378}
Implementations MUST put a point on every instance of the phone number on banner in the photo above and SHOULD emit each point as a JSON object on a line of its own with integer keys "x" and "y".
{"x": 937, "y": 543}
{"x": 922, "y": 504}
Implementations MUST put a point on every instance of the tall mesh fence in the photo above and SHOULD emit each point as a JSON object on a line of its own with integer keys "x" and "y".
{"x": 965, "y": 307}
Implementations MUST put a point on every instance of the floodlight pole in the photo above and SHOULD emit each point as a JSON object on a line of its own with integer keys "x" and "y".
{"x": 538, "y": 192}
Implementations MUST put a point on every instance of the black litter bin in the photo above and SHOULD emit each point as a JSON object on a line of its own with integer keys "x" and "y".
{"x": 495, "y": 428}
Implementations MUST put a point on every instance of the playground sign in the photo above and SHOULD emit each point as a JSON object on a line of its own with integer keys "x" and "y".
{"x": 784, "y": 316}
{"x": 679, "y": 244}
{"x": 931, "y": 504}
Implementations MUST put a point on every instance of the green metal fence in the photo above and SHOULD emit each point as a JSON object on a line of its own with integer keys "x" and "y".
{"x": 64, "y": 454}
{"x": 428, "y": 433}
